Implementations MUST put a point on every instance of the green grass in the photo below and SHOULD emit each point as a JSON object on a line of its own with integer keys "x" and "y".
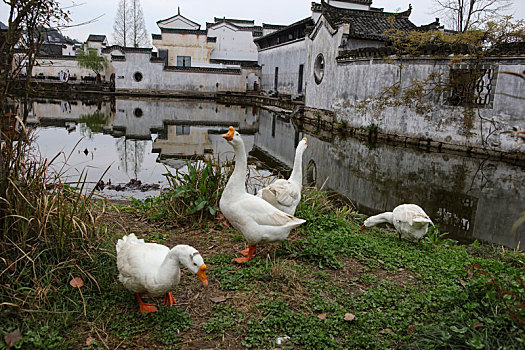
{"x": 430, "y": 295}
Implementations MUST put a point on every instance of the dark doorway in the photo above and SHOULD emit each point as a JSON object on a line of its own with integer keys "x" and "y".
{"x": 300, "y": 83}
{"x": 276, "y": 82}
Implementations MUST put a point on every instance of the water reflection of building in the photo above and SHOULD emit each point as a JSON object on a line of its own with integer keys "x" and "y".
{"x": 183, "y": 141}
{"x": 139, "y": 118}
{"x": 468, "y": 197}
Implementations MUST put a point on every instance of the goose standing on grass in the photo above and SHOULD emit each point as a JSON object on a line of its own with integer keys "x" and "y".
{"x": 154, "y": 268}
{"x": 257, "y": 219}
{"x": 283, "y": 194}
{"x": 408, "y": 219}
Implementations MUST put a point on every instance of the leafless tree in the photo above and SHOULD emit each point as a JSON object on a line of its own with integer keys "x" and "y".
{"x": 463, "y": 15}
{"x": 138, "y": 26}
{"x": 121, "y": 26}
{"x": 129, "y": 27}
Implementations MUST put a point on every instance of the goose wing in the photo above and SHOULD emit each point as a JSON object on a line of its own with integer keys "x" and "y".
{"x": 282, "y": 192}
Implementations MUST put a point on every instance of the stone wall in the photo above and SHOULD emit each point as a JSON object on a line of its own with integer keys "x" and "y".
{"x": 348, "y": 82}
{"x": 154, "y": 76}
{"x": 287, "y": 58}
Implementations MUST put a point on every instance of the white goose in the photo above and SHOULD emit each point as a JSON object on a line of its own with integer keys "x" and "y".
{"x": 257, "y": 219}
{"x": 408, "y": 219}
{"x": 154, "y": 268}
{"x": 283, "y": 194}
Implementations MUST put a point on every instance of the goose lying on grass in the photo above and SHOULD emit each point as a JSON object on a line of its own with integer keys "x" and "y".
{"x": 408, "y": 219}
{"x": 154, "y": 268}
{"x": 286, "y": 194}
{"x": 257, "y": 219}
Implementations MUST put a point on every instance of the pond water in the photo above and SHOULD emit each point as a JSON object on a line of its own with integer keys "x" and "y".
{"x": 471, "y": 198}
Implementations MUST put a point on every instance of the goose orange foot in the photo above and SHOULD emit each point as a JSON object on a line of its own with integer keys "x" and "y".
{"x": 144, "y": 307}
{"x": 252, "y": 248}
{"x": 169, "y": 299}
{"x": 244, "y": 251}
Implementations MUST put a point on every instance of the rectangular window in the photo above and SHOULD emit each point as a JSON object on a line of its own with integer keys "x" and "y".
{"x": 276, "y": 82}
{"x": 184, "y": 61}
{"x": 300, "y": 82}
{"x": 471, "y": 87}
{"x": 164, "y": 54}
{"x": 182, "y": 130}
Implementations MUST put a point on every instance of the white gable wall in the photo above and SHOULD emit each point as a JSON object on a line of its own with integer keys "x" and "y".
{"x": 178, "y": 22}
{"x": 232, "y": 43}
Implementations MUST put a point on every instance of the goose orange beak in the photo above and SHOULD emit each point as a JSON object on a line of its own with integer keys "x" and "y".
{"x": 305, "y": 140}
{"x": 229, "y": 135}
{"x": 363, "y": 227}
{"x": 202, "y": 275}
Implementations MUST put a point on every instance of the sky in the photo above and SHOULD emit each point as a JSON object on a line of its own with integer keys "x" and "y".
{"x": 202, "y": 11}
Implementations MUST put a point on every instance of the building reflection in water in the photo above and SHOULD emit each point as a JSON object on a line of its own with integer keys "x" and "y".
{"x": 469, "y": 197}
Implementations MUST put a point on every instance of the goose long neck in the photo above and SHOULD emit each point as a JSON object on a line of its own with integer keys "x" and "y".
{"x": 236, "y": 183}
{"x": 387, "y": 217}
{"x": 297, "y": 171}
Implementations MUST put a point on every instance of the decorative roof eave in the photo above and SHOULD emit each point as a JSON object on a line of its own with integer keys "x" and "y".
{"x": 322, "y": 22}
{"x": 183, "y": 31}
{"x": 279, "y": 31}
{"x": 127, "y": 49}
{"x": 184, "y": 19}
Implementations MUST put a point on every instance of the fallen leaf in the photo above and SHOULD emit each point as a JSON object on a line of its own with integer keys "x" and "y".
{"x": 218, "y": 299}
{"x": 11, "y": 338}
{"x": 349, "y": 317}
{"x": 380, "y": 261}
{"x": 477, "y": 325}
{"x": 89, "y": 341}
{"x": 386, "y": 330}
{"x": 322, "y": 316}
{"x": 76, "y": 282}
{"x": 411, "y": 328}
{"x": 11, "y": 265}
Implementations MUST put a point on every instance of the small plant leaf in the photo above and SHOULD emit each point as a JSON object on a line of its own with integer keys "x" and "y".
{"x": 477, "y": 325}
{"x": 11, "y": 338}
{"x": 349, "y": 317}
{"x": 76, "y": 282}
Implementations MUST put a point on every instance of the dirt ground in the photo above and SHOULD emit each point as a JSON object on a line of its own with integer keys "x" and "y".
{"x": 216, "y": 238}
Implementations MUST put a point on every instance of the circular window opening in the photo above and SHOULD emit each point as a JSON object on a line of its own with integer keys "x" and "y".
{"x": 311, "y": 173}
{"x": 137, "y": 76}
{"x": 138, "y": 112}
{"x": 319, "y": 68}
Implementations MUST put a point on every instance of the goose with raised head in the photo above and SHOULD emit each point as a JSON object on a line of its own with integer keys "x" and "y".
{"x": 283, "y": 194}
{"x": 257, "y": 219}
{"x": 408, "y": 219}
{"x": 154, "y": 268}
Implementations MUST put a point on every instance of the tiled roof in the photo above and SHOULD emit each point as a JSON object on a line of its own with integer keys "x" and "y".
{"x": 368, "y": 24}
{"x": 233, "y": 20}
{"x": 96, "y": 38}
{"x": 3, "y": 26}
{"x": 301, "y": 23}
{"x": 361, "y": 2}
{"x": 273, "y": 26}
{"x": 183, "y": 31}
{"x": 127, "y": 49}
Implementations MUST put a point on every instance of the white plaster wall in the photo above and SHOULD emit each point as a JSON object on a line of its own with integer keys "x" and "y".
{"x": 232, "y": 44}
{"x": 346, "y": 84}
{"x": 287, "y": 57}
{"x": 53, "y": 66}
{"x": 156, "y": 78}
